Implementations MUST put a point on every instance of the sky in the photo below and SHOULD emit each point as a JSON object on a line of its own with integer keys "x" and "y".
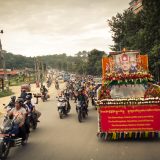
{"x": 42, "y": 27}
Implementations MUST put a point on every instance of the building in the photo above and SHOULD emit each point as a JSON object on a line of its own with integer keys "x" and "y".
{"x": 136, "y": 6}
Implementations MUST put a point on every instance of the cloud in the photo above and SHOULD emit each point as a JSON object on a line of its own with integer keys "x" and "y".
{"x": 51, "y": 26}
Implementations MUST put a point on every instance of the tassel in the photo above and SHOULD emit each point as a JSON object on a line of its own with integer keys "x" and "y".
{"x": 133, "y": 135}
{"x": 146, "y": 134}
{"x": 117, "y": 135}
{"x": 105, "y": 136}
{"x": 130, "y": 134}
{"x": 138, "y": 135}
{"x": 150, "y": 134}
{"x": 122, "y": 135}
{"x": 101, "y": 135}
{"x": 114, "y": 136}
{"x": 143, "y": 135}
{"x": 156, "y": 134}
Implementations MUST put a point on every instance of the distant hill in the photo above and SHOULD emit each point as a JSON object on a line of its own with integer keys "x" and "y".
{"x": 82, "y": 63}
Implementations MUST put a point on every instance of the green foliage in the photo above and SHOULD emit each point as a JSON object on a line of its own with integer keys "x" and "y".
{"x": 94, "y": 65}
{"x": 139, "y": 32}
{"x": 83, "y": 63}
{"x": 5, "y": 93}
{"x": 18, "y": 61}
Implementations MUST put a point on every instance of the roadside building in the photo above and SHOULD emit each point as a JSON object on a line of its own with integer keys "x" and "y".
{"x": 136, "y": 6}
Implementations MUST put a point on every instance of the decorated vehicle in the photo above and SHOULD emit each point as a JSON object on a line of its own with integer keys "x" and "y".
{"x": 128, "y": 101}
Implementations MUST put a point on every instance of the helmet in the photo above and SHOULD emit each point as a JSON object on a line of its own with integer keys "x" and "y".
{"x": 20, "y": 100}
{"x": 80, "y": 90}
{"x": 13, "y": 98}
{"x": 30, "y": 94}
{"x": 28, "y": 97}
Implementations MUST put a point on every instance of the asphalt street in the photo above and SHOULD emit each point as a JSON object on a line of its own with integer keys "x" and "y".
{"x": 67, "y": 139}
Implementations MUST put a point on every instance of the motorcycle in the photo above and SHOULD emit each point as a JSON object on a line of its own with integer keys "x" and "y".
{"x": 49, "y": 84}
{"x": 63, "y": 107}
{"x": 44, "y": 96}
{"x": 82, "y": 110}
{"x": 9, "y": 131}
{"x": 57, "y": 86}
{"x": 33, "y": 120}
{"x": 71, "y": 94}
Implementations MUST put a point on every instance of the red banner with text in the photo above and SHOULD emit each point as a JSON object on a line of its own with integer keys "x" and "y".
{"x": 129, "y": 118}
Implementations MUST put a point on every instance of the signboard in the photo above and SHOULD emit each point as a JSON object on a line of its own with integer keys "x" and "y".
{"x": 124, "y": 63}
{"x": 129, "y": 118}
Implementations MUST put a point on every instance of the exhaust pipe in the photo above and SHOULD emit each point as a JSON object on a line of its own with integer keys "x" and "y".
{"x": 18, "y": 142}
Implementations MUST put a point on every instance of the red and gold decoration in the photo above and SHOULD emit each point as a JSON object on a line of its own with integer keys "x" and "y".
{"x": 128, "y": 118}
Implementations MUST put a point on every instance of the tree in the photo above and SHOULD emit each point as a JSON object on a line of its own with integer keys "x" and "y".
{"x": 139, "y": 32}
{"x": 94, "y": 66}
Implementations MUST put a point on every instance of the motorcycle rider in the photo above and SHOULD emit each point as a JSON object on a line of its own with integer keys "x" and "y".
{"x": 63, "y": 95}
{"x": 82, "y": 98}
{"x": 31, "y": 106}
{"x": 11, "y": 103}
{"x": 56, "y": 84}
{"x": 23, "y": 94}
{"x": 19, "y": 114}
{"x": 44, "y": 91}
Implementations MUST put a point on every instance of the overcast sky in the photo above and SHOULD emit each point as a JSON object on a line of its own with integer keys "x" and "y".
{"x": 40, "y": 27}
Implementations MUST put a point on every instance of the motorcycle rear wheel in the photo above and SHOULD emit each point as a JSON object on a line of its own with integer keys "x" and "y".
{"x": 60, "y": 115}
{"x": 80, "y": 117}
{"x": 4, "y": 150}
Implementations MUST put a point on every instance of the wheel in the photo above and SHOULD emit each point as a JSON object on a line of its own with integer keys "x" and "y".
{"x": 79, "y": 117}
{"x": 4, "y": 150}
{"x": 34, "y": 125}
{"x": 84, "y": 114}
{"x": 61, "y": 115}
{"x": 26, "y": 140}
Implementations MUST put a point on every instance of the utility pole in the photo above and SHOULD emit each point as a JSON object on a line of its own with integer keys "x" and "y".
{"x": 2, "y": 56}
{"x": 1, "y": 62}
{"x": 37, "y": 71}
{"x": 41, "y": 72}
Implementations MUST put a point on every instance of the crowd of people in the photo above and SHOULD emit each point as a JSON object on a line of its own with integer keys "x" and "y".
{"x": 81, "y": 89}
{"x": 20, "y": 109}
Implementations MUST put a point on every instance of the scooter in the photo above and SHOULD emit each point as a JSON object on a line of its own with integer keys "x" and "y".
{"x": 9, "y": 131}
{"x": 82, "y": 110}
{"x": 63, "y": 107}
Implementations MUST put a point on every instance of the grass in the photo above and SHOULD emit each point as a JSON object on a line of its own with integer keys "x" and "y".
{"x": 5, "y": 93}
{"x": 15, "y": 81}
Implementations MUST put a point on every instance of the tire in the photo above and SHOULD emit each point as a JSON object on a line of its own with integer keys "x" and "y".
{"x": 84, "y": 115}
{"x": 34, "y": 125}
{"x": 4, "y": 150}
{"x": 80, "y": 116}
{"x": 61, "y": 115}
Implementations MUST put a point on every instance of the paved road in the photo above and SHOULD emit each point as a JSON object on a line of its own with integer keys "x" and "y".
{"x": 67, "y": 139}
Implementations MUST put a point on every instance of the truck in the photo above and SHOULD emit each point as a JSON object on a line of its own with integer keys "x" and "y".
{"x": 129, "y": 99}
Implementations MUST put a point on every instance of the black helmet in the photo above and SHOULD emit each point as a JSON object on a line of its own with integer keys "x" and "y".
{"x": 13, "y": 98}
{"x": 80, "y": 90}
{"x": 28, "y": 97}
{"x": 20, "y": 100}
{"x": 30, "y": 94}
